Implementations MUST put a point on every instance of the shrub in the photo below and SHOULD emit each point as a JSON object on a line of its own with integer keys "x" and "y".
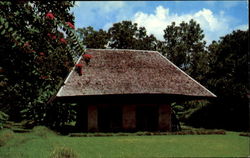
{"x": 5, "y": 136}
{"x": 3, "y": 118}
{"x": 245, "y": 134}
{"x": 63, "y": 152}
{"x": 43, "y": 131}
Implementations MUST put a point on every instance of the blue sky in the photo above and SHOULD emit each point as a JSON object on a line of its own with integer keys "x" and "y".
{"x": 216, "y": 18}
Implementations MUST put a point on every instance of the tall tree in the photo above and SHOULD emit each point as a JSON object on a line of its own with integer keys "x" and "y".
{"x": 184, "y": 46}
{"x": 228, "y": 65}
{"x": 36, "y": 55}
{"x": 228, "y": 79}
{"x": 122, "y": 35}
{"x": 92, "y": 38}
{"x": 127, "y": 35}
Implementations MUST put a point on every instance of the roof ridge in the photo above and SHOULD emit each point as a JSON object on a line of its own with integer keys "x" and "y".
{"x": 135, "y": 50}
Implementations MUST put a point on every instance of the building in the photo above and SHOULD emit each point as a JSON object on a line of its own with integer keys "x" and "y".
{"x": 127, "y": 90}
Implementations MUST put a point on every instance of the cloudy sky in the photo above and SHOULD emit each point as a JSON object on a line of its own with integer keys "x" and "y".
{"x": 216, "y": 18}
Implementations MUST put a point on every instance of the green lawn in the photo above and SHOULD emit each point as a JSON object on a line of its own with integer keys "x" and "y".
{"x": 41, "y": 144}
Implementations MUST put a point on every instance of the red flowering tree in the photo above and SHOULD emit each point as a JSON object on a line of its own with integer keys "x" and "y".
{"x": 38, "y": 50}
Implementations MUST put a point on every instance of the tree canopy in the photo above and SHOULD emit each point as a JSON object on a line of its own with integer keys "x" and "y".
{"x": 227, "y": 77}
{"x": 228, "y": 65}
{"x": 39, "y": 51}
{"x": 92, "y": 38}
{"x": 127, "y": 35}
{"x": 184, "y": 45}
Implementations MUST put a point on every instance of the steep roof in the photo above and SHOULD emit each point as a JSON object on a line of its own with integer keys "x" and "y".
{"x": 114, "y": 71}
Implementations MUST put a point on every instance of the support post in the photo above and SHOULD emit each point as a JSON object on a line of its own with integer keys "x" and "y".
{"x": 129, "y": 117}
{"x": 164, "y": 118}
{"x": 92, "y": 118}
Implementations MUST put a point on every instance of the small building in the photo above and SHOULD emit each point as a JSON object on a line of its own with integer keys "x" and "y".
{"x": 128, "y": 90}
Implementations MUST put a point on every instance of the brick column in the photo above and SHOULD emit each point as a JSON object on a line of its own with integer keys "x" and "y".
{"x": 164, "y": 118}
{"x": 92, "y": 118}
{"x": 129, "y": 117}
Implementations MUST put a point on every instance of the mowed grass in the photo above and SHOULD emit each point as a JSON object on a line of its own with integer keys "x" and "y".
{"x": 41, "y": 143}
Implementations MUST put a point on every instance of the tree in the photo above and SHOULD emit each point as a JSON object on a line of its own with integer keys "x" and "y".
{"x": 184, "y": 46}
{"x": 127, "y": 35}
{"x": 228, "y": 79}
{"x": 39, "y": 51}
{"x": 228, "y": 65}
{"x": 92, "y": 38}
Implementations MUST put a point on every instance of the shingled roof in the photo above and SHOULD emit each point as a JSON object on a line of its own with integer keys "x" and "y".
{"x": 117, "y": 72}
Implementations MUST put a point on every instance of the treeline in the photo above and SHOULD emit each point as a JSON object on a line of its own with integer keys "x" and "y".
{"x": 220, "y": 66}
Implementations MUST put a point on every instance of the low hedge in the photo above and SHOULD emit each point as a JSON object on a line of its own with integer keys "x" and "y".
{"x": 204, "y": 132}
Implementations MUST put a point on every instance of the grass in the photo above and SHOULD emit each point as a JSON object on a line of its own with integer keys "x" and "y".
{"x": 43, "y": 143}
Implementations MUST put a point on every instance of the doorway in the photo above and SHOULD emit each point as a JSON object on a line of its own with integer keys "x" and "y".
{"x": 147, "y": 117}
{"x": 110, "y": 118}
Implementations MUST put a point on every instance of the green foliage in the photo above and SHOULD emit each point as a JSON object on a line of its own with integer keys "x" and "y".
{"x": 185, "y": 47}
{"x": 228, "y": 64}
{"x": 227, "y": 78}
{"x": 92, "y": 38}
{"x": 127, "y": 35}
{"x": 43, "y": 132}
{"x": 122, "y": 35}
{"x": 221, "y": 67}
{"x": 3, "y": 118}
{"x": 54, "y": 115}
{"x": 38, "y": 53}
{"x": 176, "y": 110}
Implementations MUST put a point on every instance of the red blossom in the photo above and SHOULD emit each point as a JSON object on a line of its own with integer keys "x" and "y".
{"x": 44, "y": 77}
{"x": 26, "y": 44}
{"x": 70, "y": 25}
{"x": 62, "y": 40}
{"x": 50, "y": 15}
{"x": 41, "y": 54}
{"x": 79, "y": 68}
{"x": 53, "y": 37}
{"x": 79, "y": 65}
{"x": 87, "y": 56}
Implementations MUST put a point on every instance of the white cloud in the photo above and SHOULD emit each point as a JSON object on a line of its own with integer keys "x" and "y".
{"x": 77, "y": 4}
{"x": 154, "y": 23}
{"x": 214, "y": 26}
{"x": 102, "y": 14}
